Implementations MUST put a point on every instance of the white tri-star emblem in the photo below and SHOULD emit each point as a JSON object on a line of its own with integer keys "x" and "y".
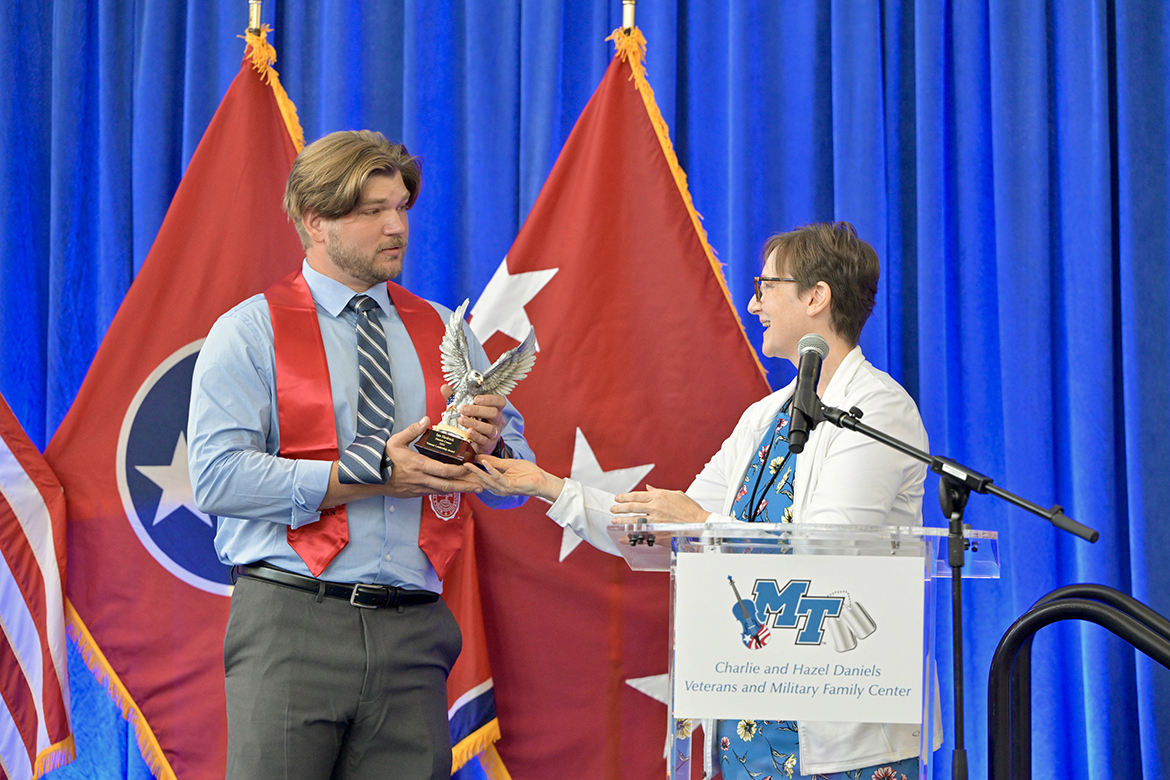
{"x": 175, "y": 482}
{"x": 587, "y": 471}
{"x": 500, "y": 307}
{"x": 656, "y": 686}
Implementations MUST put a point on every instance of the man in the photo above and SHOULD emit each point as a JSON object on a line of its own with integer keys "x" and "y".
{"x": 820, "y": 279}
{"x": 305, "y": 401}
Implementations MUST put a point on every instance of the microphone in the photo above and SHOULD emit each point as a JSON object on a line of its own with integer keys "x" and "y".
{"x": 813, "y": 350}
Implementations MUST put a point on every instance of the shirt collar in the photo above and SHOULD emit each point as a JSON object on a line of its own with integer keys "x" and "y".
{"x": 333, "y": 296}
{"x": 835, "y": 392}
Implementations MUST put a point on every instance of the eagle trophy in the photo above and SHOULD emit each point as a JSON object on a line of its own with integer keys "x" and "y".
{"x": 448, "y": 441}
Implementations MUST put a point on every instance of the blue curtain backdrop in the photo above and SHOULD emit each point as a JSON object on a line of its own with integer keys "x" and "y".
{"x": 1008, "y": 160}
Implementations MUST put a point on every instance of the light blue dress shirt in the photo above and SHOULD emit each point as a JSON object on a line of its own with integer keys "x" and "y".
{"x": 234, "y": 437}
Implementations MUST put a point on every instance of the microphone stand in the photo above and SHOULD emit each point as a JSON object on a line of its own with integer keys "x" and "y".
{"x": 954, "y": 488}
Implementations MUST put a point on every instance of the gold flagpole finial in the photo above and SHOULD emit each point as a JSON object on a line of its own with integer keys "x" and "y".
{"x": 254, "y": 16}
{"x": 628, "y": 14}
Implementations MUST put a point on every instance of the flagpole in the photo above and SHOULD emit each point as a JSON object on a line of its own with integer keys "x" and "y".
{"x": 254, "y": 16}
{"x": 628, "y": 14}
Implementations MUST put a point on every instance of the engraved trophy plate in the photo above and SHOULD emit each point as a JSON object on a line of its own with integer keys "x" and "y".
{"x": 447, "y": 441}
{"x": 447, "y": 446}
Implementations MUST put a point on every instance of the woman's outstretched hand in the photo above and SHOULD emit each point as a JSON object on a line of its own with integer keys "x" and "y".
{"x": 513, "y": 477}
{"x": 658, "y": 506}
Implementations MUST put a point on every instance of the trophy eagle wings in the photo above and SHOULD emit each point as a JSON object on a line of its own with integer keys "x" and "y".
{"x": 465, "y": 381}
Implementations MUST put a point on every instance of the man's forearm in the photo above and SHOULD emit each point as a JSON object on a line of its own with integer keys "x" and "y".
{"x": 258, "y": 486}
{"x": 338, "y": 493}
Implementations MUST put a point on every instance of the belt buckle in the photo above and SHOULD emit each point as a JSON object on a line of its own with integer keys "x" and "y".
{"x": 357, "y": 589}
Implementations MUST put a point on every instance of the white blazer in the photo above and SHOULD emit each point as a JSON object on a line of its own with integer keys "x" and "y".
{"x": 841, "y": 477}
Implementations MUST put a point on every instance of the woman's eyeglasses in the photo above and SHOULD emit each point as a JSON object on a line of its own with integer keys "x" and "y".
{"x": 760, "y": 288}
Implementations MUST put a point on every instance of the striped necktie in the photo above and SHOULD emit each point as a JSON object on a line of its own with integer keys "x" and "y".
{"x": 363, "y": 461}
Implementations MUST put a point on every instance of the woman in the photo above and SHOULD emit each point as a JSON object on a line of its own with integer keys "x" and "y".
{"x": 821, "y": 279}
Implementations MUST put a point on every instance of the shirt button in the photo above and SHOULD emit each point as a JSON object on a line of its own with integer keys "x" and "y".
{"x": 392, "y": 507}
{"x": 389, "y": 558}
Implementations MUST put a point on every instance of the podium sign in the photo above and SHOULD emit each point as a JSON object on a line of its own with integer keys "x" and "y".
{"x": 786, "y": 655}
{"x": 792, "y": 637}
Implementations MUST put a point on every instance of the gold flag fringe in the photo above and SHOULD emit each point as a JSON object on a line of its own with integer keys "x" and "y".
{"x": 631, "y": 47}
{"x": 95, "y": 659}
{"x": 478, "y": 743}
{"x": 262, "y": 55}
{"x": 475, "y": 743}
{"x": 493, "y": 765}
{"x": 55, "y": 757}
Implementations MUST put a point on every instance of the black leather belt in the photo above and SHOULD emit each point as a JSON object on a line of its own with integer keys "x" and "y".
{"x": 357, "y": 594}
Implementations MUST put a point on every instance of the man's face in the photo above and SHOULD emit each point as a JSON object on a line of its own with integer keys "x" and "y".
{"x": 781, "y": 312}
{"x": 367, "y": 245}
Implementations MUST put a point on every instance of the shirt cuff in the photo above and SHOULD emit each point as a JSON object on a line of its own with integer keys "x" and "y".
{"x": 570, "y": 494}
{"x": 310, "y": 483}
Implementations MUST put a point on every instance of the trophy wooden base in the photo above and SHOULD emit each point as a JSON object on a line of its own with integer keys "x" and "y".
{"x": 442, "y": 445}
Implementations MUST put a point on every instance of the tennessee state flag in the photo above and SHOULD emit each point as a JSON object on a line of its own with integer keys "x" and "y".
{"x": 35, "y": 735}
{"x": 149, "y": 594}
{"x": 644, "y": 369}
{"x": 148, "y": 591}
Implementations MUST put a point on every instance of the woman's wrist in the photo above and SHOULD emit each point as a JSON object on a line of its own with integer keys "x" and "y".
{"x": 550, "y": 489}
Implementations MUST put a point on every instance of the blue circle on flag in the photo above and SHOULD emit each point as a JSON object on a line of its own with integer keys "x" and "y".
{"x": 157, "y": 487}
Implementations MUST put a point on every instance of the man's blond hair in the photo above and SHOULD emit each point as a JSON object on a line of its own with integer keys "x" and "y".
{"x": 328, "y": 175}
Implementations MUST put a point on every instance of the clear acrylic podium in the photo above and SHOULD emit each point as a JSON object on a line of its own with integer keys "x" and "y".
{"x": 655, "y": 547}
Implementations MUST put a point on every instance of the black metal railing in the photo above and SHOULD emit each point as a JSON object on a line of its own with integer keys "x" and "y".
{"x": 1009, "y": 690}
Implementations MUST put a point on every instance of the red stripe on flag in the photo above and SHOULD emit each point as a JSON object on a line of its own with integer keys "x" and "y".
{"x": 29, "y": 579}
{"x": 18, "y": 698}
{"x": 472, "y": 669}
{"x": 461, "y": 594}
{"x": 33, "y": 671}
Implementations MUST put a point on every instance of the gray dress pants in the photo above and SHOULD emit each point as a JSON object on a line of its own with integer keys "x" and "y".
{"x": 322, "y": 690}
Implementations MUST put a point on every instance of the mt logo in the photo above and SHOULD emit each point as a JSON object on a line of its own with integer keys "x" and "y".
{"x": 791, "y": 607}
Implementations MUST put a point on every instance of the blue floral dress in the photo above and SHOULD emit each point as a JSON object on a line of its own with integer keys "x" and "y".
{"x": 769, "y": 749}
{"x": 766, "y": 493}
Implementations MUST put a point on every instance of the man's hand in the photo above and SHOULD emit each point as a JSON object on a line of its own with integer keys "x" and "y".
{"x": 511, "y": 477}
{"x": 483, "y": 420}
{"x": 416, "y": 475}
{"x": 658, "y": 506}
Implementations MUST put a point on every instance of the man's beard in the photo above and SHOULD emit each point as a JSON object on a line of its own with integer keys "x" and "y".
{"x": 365, "y": 268}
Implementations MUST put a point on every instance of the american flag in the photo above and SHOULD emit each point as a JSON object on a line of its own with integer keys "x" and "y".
{"x": 35, "y": 735}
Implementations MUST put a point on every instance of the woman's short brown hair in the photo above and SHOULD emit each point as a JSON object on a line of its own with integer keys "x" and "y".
{"x": 831, "y": 253}
{"x": 328, "y": 175}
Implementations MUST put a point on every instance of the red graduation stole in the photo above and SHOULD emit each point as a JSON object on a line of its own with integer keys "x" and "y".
{"x": 304, "y": 403}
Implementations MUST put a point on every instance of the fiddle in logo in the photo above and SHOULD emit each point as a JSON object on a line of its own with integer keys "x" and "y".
{"x": 755, "y": 634}
{"x": 790, "y": 607}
